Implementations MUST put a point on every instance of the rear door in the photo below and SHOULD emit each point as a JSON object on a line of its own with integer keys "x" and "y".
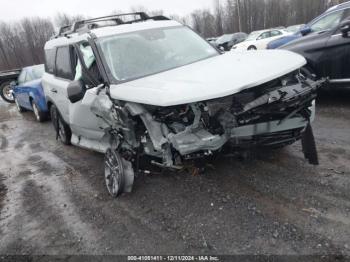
{"x": 64, "y": 74}
{"x": 263, "y": 40}
{"x": 337, "y": 54}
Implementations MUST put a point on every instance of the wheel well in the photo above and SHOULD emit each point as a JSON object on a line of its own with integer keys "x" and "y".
{"x": 49, "y": 104}
{"x": 252, "y": 46}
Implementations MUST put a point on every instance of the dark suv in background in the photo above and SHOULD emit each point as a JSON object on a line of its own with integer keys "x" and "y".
{"x": 327, "y": 53}
{"x": 325, "y": 22}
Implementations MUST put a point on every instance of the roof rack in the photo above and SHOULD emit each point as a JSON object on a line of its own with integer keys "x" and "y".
{"x": 93, "y": 23}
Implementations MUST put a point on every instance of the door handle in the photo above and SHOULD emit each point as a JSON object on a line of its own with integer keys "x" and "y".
{"x": 53, "y": 90}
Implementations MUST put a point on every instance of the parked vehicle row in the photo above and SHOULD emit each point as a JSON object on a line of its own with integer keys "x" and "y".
{"x": 329, "y": 20}
{"x": 227, "y": 41}
{"x": 260, "y": 39}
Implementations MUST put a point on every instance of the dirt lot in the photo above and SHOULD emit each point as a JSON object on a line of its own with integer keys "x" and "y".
{"x": 53, "y": 199}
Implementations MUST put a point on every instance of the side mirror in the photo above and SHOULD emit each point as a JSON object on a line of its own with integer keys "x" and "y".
{"x": 345, "y": 28}
{"x": 76, "y": 91}
{"x": 305, "y": 31}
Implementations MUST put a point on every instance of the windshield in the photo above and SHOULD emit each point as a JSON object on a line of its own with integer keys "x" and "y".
{"x": 223, "y": 39}
{"x": 137, "y": 54}
{"x": 253, "y": 36}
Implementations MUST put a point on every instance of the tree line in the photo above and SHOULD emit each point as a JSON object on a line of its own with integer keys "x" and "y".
{"x": 22, "y": 42}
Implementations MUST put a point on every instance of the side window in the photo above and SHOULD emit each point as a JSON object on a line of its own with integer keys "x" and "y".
{"x": 264, "y": 36}
{"x": 328, "y": 22}
{"x": 346, "y": 14}
{"x": 64, "y": 68}
{"x": 275, "y": 33}
{"x": 50, "y": 56}
{"x": 22, "y": 77}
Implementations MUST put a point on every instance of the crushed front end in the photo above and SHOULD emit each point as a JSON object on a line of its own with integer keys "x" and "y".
{"x": 274, "y": 114}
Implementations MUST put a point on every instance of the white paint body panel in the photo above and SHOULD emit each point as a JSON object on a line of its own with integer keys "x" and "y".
{"x": 212, "y": 78}
{"x": 261, "y": 43}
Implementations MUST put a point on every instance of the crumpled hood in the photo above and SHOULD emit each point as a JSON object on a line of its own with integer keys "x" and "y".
{"x": 208, "y": 79}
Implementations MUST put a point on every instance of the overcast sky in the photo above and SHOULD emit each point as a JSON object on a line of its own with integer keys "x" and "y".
{"x": 16, "y": 9}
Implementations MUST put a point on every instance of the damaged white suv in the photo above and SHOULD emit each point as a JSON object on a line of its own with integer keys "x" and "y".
{"x": 132, "y": 85}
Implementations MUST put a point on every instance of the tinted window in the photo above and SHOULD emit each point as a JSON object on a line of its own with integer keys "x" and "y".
{"x": 50, "y": 56}
{"x": 346, "y": 15}
{"x": 63, "y": 63}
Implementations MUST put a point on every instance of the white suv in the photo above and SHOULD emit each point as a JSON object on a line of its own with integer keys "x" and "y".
{"x": 131, "y": 85}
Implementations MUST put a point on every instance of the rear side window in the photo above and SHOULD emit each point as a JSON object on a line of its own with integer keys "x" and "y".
{"x": 50, "y": 56}
{"x": 275, "y": 33}
{"x": 64, "y": 68}
{"x": 22, "y": 77}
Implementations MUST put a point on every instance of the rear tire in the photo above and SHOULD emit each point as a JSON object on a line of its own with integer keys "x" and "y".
{"x": 252, "y": 47}
{"x": 5, "y": 89}
{"x": 39, "y": 115}
{"x": 62, "y": 129}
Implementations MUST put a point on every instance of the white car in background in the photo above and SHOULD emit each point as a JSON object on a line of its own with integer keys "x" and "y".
{"x": 260, "y": 39}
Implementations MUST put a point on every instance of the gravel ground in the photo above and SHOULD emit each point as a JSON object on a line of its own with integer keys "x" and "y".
{"x": 53, "y": 199}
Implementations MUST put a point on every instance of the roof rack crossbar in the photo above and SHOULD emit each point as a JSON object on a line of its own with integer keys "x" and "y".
{"x": 70, "y": 29}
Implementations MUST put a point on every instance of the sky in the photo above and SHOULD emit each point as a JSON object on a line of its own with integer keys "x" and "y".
{"x": 12, "y": 10}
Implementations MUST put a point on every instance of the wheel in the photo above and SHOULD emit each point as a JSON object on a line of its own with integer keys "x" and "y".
{"x": 114, "y": 173}
{"x": 19, "y": 108}
{"x": 5, "y": 92}
{"x": 62, "y": 129}
{"x": 252, "y": 47}
{"x": 39, "y": 115}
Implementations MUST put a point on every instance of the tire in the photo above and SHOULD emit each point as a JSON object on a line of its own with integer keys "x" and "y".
{"x": 62, "y": 129}
{"x": 19, "y": 108}
{"x": 114, "y": 173}
{"x": 252, "y": 47}
{"x": 5, "y": 92}
{"x": 39, "y": 115}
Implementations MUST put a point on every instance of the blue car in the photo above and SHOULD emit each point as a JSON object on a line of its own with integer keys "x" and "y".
{"x": 28, "y": 92}
{"x": 323, "y": 23}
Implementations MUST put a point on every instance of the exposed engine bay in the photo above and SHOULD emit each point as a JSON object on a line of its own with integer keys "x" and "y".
{"x": 274, "y": 114}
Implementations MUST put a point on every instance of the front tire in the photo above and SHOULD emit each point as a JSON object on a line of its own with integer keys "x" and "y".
{"x": 114, "y": 173}
{"x": 5, "y": 92}
{"x": 62, "y": 129}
